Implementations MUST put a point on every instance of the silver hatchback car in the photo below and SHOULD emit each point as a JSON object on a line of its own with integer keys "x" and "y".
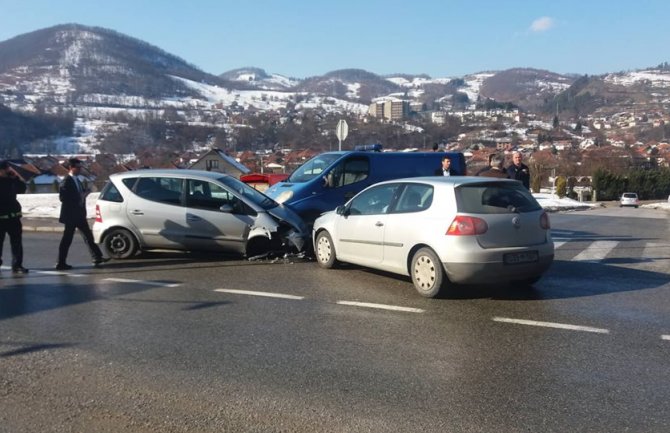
{"x": 191, "y": 210}
{"x": 441, "y": 230}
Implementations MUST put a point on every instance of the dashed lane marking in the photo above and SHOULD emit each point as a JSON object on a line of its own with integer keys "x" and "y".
{"x": 264, "y": 294}
{"x": 36, "y": 271}
{"x": 144, "y": 282}
{"x": 551, "y": 325}
{"x": 381, "y": 306}
{"x": 665, "y": 337}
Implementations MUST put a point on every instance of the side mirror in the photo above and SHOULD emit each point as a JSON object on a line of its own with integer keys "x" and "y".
{"x": 226, "y": 208}
{"x": 341, "y": 210}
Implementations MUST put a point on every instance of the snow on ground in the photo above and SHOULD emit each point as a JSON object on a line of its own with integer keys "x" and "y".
{"x": 48, "y": 205}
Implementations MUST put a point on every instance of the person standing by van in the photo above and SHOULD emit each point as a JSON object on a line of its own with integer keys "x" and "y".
{"x": 518, "y": 170}
{"x": 496, "y": 169}
{"x": 445, "y": 169}
{"x": 10, "y": 216}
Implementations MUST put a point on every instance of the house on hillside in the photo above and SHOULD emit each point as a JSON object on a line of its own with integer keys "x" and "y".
{"x": 217, "y": 160}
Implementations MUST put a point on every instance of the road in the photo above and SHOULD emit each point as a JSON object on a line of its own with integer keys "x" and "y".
{"x": 188, "y": 343}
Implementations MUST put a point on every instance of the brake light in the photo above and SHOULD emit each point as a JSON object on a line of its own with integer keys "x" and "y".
{"x": 467, "y": 226}
{"x": 544, "y": 221}
{"x": 98, "y": 217}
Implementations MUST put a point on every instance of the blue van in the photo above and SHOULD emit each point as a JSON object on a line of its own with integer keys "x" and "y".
{"x": 332, "y": 178}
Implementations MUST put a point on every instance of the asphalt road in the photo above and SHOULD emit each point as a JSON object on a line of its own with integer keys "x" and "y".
{"x": 174, "y": 342}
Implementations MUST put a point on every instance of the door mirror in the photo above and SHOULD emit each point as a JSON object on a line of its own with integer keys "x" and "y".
{"x": 226, "y": 208}
{"x": 342, "y": 210}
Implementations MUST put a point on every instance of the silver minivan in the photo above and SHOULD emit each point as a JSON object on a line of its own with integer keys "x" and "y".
{"x": 191, "y": 210}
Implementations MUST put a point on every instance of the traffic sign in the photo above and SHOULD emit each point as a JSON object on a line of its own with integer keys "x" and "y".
{"x": 342, "y": 130}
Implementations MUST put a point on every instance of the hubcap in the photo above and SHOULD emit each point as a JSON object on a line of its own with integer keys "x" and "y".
{"x": 323, "y": 249}
{"x": 118, "y": 244}
{"x": 424, "y": 272}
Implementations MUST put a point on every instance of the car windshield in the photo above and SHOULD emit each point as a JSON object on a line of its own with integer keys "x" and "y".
{"x": 495, "y": 197}
{"x": 312, "y": 168}
{"x": 250, "y": 193}
{"x": 630, "y": 195}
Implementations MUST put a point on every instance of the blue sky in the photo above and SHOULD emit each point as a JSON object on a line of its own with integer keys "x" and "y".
{"x": 442, "y": 38}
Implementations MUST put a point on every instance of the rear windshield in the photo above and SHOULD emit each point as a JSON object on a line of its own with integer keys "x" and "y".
{"x": 494, "y": 198}
{"x": 630, "y": 195}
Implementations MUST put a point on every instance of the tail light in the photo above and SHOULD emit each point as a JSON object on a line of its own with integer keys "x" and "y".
{"x": 544, "y": 221}
{"x": 467, "y": 226}
{"x": 98, "y": 217}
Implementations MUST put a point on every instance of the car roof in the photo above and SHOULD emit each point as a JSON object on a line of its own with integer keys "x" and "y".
{"x": 455, "y": 181}
{"x": 176, "y": 172}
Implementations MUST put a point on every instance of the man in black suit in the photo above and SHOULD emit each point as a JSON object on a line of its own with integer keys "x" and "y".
{"x": 446, "y": 169}
{"x": 10, "y": 215}
{"x": 72, "y": 195}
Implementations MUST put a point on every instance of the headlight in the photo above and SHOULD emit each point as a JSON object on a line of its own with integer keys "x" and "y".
{"x": 286, "y": 195}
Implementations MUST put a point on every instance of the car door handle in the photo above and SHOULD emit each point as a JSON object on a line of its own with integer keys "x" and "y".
{"x": 193, "y": 218}
{"x": 137, "y": 212}
{"x": 379, "y": 224}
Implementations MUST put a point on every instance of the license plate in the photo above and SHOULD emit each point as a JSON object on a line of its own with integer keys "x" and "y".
{"x": 522, "y": 257}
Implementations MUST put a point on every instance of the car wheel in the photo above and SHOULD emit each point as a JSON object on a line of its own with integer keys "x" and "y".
{"x": 120, "y": 244}
{"x": 325, "y": 250}
{"x": 427, "y": 273}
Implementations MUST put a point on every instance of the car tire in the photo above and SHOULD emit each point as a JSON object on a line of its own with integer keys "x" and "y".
{"x": 427, "y": 273}
{"x": 324, "y": 250}
{"x": 120, "y": 244}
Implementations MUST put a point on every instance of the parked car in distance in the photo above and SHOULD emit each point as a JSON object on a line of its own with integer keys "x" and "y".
{"x": 441, "y": 231}
{"x": 191, "y": 210}
{"x": 330, "y": 179}
{"x": 629, "y": 199}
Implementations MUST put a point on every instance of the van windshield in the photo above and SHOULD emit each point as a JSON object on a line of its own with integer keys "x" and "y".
{"x": 313, "y": 168}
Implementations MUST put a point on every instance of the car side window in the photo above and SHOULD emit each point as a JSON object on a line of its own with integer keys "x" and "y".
{"x": 211, "y": 196}
{"x": 374, "y": 201}
{"x": 414, "y": 198}
{"x": 111, "y": 193}
{"x": 349, "y": 171}
{"x": 161, "y": 189}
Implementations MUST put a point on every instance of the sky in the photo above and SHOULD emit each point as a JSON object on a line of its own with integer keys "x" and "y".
{"x": 441, "y": 38}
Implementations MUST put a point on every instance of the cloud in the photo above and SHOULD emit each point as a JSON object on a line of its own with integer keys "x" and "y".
{"x": 542, "y": 24}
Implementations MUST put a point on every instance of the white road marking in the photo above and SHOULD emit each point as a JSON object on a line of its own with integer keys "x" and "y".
{"x": 146, "y": 283}
{"x": 597, "y": 251}
{"x": 35, "y": 271}
{"x": 264, "y": 294}
{"x": 558, "y": 244}
{"x": 381, "y": 306}
{"x": 63, "y": 273}
{"x": 665, "y": 337}
{"x": 551, "y": 325}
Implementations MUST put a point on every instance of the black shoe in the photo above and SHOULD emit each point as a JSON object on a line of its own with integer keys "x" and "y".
{"x": 63, "y": 267}
{"x": 100, "y": 260}
{"x": 20, "y": 270}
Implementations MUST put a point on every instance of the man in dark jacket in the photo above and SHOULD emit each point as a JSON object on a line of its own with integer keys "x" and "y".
{"x": 496, "y": 162}
{"x": 10, "y": 215}
{"x": 72, "y": 195}
{"x": 445, "y": 169}
{"x": 519, "y": 171}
